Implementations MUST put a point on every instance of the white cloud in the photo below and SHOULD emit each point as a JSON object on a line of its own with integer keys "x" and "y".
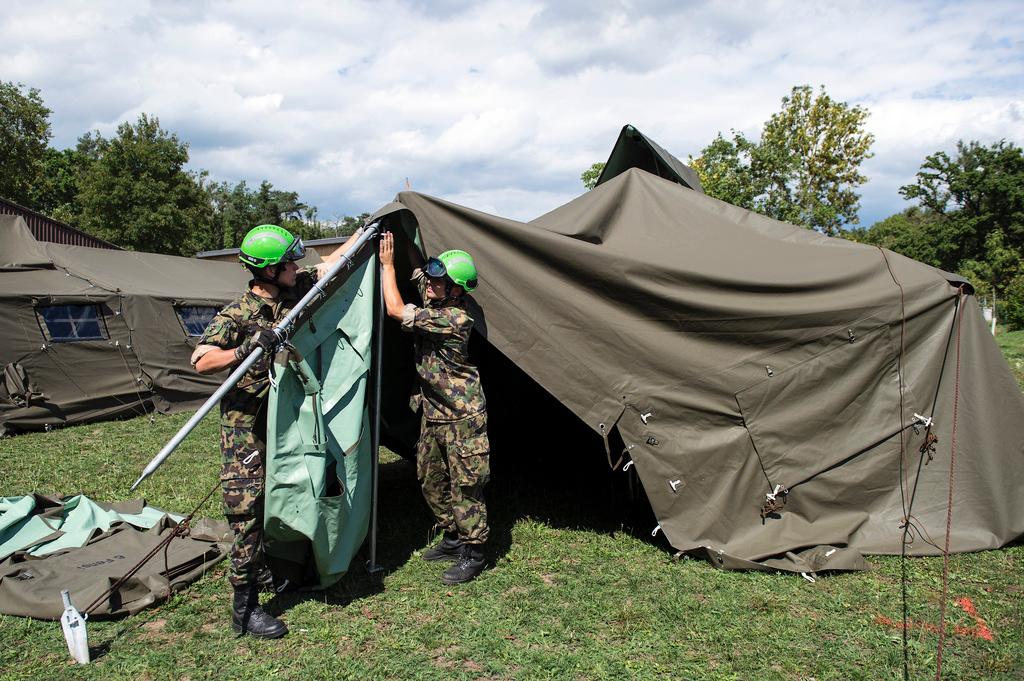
{"x": 500, "y": 105}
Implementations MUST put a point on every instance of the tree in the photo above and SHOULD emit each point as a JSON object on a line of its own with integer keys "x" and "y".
{"x": 914, "y": 232}
{"x": 980, "y": 190}
{"x": 238, "y": 209}
{"x": 136, "y": 192}
{"x": 725, "y": 172}
{"x": 56, "y": 192}
{"x": 969, "y": 220}
{"x": 24, "y": 139}
{"x": 347, "y": 225}
{"x": 804, "y": 169}
{"x": 591, "y": 175}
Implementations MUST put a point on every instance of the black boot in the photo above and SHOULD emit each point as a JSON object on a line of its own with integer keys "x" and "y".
{"x": 470, "y": 564}
{"x": 449, "y": 548}
{"x": 247, "y": 617}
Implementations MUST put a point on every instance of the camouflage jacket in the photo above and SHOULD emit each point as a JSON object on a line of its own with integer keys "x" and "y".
{"x": 448, "y": 385}
{"x": 238, "y": 320}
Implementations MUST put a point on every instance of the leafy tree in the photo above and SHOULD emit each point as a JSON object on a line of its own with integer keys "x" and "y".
{"x": 724, "y": 169}
{"x": 970, "y": 220}
{"x": 591, "y": 175}
{"x": 237, "y": 209}
{"x": 979, "y": 190}
{"x": 56, "y": 192}
{"x": 24, "y": 138}
{"x": 347, "y": 225}
{"x": 914, "y": 233}
{"x": 803, "y": 170}
{"x": 1012, "y": 309}
{"x": 137, "y": 193}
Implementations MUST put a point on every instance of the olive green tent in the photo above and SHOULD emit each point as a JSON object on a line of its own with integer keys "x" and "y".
{"x": 774, "y": 389}
{"x": 92, "y": 334}
{"x": 633, "y": 149}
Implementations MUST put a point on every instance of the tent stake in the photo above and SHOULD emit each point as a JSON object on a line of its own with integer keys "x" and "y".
{"x": 281, "y": 330}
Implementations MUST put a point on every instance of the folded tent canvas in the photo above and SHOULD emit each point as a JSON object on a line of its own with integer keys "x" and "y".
{"x": 739, "y": 357}
{"x": 92, "y": 334}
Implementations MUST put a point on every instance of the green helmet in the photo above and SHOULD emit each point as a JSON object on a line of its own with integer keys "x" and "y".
{"x": 267, "y": 245}
{"x": 456, "y": 265}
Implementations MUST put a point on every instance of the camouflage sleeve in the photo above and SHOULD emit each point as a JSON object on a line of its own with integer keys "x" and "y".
{"x": 445, "y": 321}
{"x": 221, "y": 333}
{"x": 408, "y": 316}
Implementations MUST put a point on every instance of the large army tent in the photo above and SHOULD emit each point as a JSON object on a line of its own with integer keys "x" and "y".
{"x": 772, "y": 387}
{"x": 92, "y": 333}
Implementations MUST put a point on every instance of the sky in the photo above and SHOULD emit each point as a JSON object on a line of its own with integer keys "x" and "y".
{"x": 500, "y": 106}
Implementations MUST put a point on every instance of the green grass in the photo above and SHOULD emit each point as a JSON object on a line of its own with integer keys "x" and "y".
{"x": 1012, "y": 345}
{"x": 575, "y": 591}
{"x": 573, "y": 594}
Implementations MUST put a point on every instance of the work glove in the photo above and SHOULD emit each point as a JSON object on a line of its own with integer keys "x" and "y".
{"x": 264, "y": 338}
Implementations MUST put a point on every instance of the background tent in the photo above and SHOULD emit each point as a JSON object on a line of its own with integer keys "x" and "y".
{"x": 730, "y": 357}
{"x": 93, "y": 333}
{"x": 633, "y": 149}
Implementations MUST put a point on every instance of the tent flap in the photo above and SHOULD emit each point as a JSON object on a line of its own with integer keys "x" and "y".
{"x": 318, "y": 434}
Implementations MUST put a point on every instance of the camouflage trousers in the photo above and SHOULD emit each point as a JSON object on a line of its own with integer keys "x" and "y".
{"x": 241, "y": 480}
{"x": 453, "y": 465}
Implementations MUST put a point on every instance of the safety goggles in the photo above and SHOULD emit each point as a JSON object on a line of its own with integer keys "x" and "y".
{"x": 296, "y": 251}
{"x": 435, "y": 269}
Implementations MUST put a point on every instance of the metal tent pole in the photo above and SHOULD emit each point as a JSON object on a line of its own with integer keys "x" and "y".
{"x": 371, "y": 566}
{"x": 282, "y": 330}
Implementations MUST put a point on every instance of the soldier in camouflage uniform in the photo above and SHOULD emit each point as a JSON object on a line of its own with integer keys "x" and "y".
{"x": 452, "y": 460}
{"x": 269, "y": 252}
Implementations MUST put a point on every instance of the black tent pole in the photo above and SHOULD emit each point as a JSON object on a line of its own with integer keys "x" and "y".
{"x": 378, "y": 329}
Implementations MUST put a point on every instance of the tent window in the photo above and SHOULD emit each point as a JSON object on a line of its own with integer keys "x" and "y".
{"x": 195, "y": 318}
{"x": 67, "y": 323}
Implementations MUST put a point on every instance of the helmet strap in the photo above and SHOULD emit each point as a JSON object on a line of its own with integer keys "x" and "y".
{"x": 259, "y": 276}
{"x": 448, "y": 297}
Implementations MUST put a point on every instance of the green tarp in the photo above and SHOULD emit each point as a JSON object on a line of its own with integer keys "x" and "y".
{"x": 39, "y": 525}
{"x": 48, "y": 544}
{"x": 318, "y": 435}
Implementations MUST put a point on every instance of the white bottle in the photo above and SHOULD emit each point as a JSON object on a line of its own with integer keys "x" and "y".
{"x": 73, "y": 624}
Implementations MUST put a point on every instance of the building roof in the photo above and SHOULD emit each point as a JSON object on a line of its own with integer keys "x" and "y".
{"x": 45, "y": 228}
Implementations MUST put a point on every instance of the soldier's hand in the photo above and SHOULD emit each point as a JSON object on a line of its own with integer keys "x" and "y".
{"x": 264, "y": 338}
{"x": 387, "y": 249}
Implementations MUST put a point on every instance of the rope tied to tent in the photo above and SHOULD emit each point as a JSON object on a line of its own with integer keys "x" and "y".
{"x": 928, "y": 446}
{"x": 949, "y": 500}
{"x": 181, "y": 529}
{"x": 774, "y": 502}
{"x": 135, "y": 380}
{"x": 908, "y": 524}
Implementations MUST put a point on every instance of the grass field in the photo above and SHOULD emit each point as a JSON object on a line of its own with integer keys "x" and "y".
{"x": 1012, "y": 345}
{"x": 578, "y": 590}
